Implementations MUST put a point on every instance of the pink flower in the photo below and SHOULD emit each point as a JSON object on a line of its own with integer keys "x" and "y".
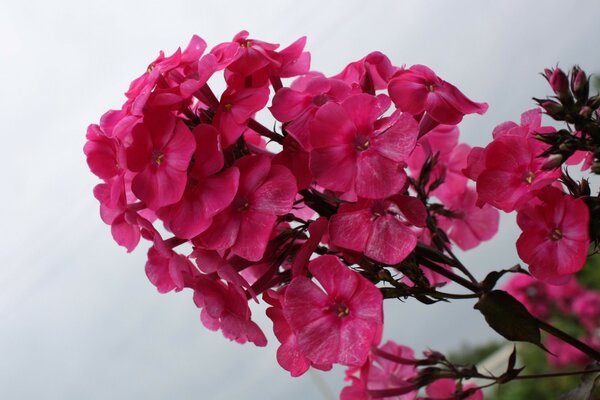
{"x": 245, "y": 56}
{"x": 289, "y": 355}
{"x": 224, "y": 306}
{"x": 532, "y": 293}
{"x": 419, "y": 89}
{"x": 470, "y": 225}
{"x": 105, "y": 155}
{"x": 562, "y": 354}
{"x": 264, "y": 192}
{"x": 206, "y": 193}
{"x": 587, "y": 308}
{"x": 170, "y": 79}
{"x": 355, "y": 152}
{"x": 371, "y": 73}
{"x": 381, "y": 373}
{"x": 555, "y": 236}
{"x": 161, "y": 152}
{"x": 235, "y": 109}
{"x": 383, "y": 230}
{"x": 296, "y": 106}
{"x": 451, "y": 160}
{"x": 338, "y": 323}
{"x": 114, "y": 212}
{"x": 447, "y": 389}
{"x": 512, "y": 172}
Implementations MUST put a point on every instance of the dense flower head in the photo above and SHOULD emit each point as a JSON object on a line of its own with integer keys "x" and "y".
{"x": 356, "y": 189}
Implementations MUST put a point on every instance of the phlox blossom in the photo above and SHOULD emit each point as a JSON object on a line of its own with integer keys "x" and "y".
{"x": 353, "y": 151}
{"x": 555, "y": 236}
{"x": 419, "y": 89}
{"x": 338, "y": 321}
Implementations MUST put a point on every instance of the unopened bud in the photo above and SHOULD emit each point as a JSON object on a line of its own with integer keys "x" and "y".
{"x": 560, "y": 84}
{"x": 580, "y": 85}
{"x": 553, "y": 108}
{"x": 594, "y": 102}
{"x": 553, "y": 161}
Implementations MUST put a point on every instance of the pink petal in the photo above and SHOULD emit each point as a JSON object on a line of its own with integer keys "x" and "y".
{"x": 390, "y": 241}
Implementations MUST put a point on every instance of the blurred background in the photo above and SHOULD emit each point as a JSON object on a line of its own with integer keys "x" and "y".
{"x": 78, "y": 318}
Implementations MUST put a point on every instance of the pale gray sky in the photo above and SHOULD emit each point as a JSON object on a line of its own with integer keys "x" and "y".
{"x": 78, "y": 317}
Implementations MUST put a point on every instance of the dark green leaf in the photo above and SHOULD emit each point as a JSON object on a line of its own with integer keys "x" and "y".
{"x": 507, "y": 316}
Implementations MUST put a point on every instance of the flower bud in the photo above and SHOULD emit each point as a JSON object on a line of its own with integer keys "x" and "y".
{"x": 580, "y": 85}
{"x": 594, "y": 102}
{"x": 553, "y": 109}
{"x": 553, "y": 161}
{"x": 560, "y": 84}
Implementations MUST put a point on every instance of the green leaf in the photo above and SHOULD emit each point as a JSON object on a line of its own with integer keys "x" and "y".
{"x": 507, "y": 316}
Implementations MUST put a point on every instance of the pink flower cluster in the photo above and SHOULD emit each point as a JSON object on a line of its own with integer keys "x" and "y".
{"x": 572, "y": 301}
{"x": 234, "y": 210}
{"x": 512, "y": 175}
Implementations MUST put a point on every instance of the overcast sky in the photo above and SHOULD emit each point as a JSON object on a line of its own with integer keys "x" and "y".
{"x": 78, "y": 318}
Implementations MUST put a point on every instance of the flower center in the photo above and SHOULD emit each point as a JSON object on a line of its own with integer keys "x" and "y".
{"x": 319, "y": 100}
{"x": 340, "y": 309}
{"x": 528, "y": 177}
{"x": 246, "y": 43}
{"x": 227, "y": 107}
{"x": 556, "y": 234}
{"x": 157, "y": 157}
{"x": 361, "y": 143}
{"x": 430, "y": 87}
{"x": 241, "y": 204}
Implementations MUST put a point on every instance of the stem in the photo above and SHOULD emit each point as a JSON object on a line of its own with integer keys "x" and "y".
{"x": 450, "y": 275}
{"x": 460, "y": 265}
{"x": 555, "y": 374}
{"x": 565, "y": 337}
{"x": 264, "y": 131}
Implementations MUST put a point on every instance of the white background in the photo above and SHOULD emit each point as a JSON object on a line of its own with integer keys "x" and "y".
{"x": 78, "y": 318}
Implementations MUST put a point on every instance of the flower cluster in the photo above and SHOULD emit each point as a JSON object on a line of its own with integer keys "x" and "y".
{"x": 572, "y": 303}
{"x": 362, "y": 184}
{"x": 519, "y": 171}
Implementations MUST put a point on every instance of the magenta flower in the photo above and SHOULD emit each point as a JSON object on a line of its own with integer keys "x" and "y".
{"x": 105, "y": 155}
{"x": 235, "y": 109}
{"x": 447, "y": 389}
{"x": 384, "y": 230}
{"x": 336, "y": 324}
{"x": 161, "y": 152}
{"x": 264, "y": 192}
{"x": 178, "y": 74}
{"x": 531, "y": 292}
{"x": 207, "y": 193}
{"x": 296, "y": 106}
{"x": 470, "y": 224}
{"x": 224, "y": 306}
{"x": 555, "y": 236}
{"x": 419, "y": 89}
{"x": 382, "y": 374}
{"x": 512, "y": 172}
{"x": 245, "y": 56}
{"x": 289, "y": 355}
{"x": 354, "y": 152}
{"x": 373, "y": 72}
{"x": 114, "y": 212}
